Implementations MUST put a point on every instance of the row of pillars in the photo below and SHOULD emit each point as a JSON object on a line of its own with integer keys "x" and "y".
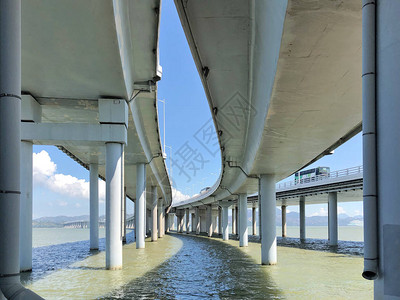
{"x": 115, "y": 207}
{"x": 332, "y": 219}
{"x": 239, "y": 222}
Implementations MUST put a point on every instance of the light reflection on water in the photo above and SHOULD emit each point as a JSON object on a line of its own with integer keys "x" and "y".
{"x": 189, "y": 267}
{"x": 203, "y": 268}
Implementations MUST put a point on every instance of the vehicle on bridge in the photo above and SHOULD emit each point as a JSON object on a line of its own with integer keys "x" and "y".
{"x": 311, "y": 175}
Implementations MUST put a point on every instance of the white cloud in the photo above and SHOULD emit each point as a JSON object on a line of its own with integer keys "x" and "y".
{"x": 288, "y": 211}
{"x": 178, "y": 196}
{"x": 43, "y": 167}
{"x": 77, "y": 205}
{"x": 44, "y": 173}
{"x": 322, "y": 212}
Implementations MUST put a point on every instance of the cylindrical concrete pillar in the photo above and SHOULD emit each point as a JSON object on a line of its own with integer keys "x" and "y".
{"x": 163, "y": 219}
{"x": 187, "y": 220}
{"x": 225, "y": 228}
{"x": 388, "y": 144}
{"x": 302, "y": 218}
{"x": 268, "y": 216}
{"x": 219, "y": 220}
{"x": 94, "y": 206}
{"x": 209, "y": 220}
{"x": 233, "y": 220}
{"x": 181, "y": 221}
{"x": 123, "y": 198}
{"x": 237, "y": 220}
{"x": 243, "y": 231}
{"x": 283, "y": 220}
{"x": 10, "y": 140}
{"x": 160, "y": 218}
{"x": 140, "y": 205}
{"x": 154, "y": 233}
{"x": 113, "y": 206}
{"x": 25, "y": 233}
{"x": 197, "y": 220}
{"x": 254, "y": 220}
{"x": 333, "y": 219}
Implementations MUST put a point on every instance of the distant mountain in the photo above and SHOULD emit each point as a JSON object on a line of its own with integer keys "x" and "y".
{"x": 293, "y": 219}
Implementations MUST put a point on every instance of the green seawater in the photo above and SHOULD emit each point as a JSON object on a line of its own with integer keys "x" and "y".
{"x": 181, "y": 266}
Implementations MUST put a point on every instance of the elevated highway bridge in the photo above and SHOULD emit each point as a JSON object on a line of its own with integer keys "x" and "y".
{"x": 283, "y": 80}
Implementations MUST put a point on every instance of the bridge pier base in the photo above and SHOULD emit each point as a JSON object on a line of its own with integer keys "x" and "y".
{"x": 94, "y": 206}
{"x": 302, "y": 219}
{"x": 332, "y": 219}
{"x": 154, "y": 233}
{"x": 140, "y": 205}
{"x": 243, "y": 231}
{"x": 113, "y": 206}
{"x": 268, "y": 218}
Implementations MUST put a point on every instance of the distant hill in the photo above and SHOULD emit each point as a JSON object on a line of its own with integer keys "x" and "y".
{"x": 293, "y": 219}
{"x": 58, "y": 221}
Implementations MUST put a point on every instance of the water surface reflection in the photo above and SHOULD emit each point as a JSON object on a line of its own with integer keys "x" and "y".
{"x": 203, "y": 268}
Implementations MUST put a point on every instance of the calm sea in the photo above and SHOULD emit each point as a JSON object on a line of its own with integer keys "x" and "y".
{"x": 181, "y": 266}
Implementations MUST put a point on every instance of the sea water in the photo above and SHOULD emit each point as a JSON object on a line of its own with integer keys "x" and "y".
{"x": 181, "y": 266}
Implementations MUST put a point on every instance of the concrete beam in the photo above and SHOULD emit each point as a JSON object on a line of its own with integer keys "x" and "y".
{"x": 82, "y": 134}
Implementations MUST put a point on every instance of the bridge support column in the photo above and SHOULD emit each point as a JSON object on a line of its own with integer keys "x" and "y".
{"x": 302, "y": 219}
{"x": 94, "y": 207}
{"x": 187, "y": 221}
{"x": 163, "y": 219}
{"x": 154, "y": 214}
{"x": 197, "y": 221}
{"x": 113, "y": 206}
{"x": 243, "y": 230}
{"x": 283, "y": 220}
{"x": 233, "y": 220}
{"x": 254, "y": 220}
{"x": 387, "y": 136}
{"x": 140, "y": 205}
{"x": 181, "y": 221}
{"x": 209, "y": 220}
{"x": 219, "y": 220}
{"x": 237, "y": 220}
{"x": 332, "y": 219}
{"x": 225, "y": 228}
{"x": 162, "y": 225}
{"x": 267, "y": 199}
{"x": 25, "y": 233}
{"x": 160, "y": 218}
{"x": 123, "y": 207}
{"x": 10, "y": 146}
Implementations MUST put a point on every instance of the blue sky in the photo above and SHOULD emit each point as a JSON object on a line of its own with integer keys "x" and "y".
{"x": 187, "y": 111}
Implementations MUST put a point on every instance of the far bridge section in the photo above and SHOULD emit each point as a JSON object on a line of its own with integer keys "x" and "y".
{"x": 130, "y": 224}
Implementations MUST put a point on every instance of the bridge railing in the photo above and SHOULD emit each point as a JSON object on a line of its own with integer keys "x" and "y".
{"x": 333, "y": 174}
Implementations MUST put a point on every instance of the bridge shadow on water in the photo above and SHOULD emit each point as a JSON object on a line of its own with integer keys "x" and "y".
{"x": 48, "y": 259}
{"x": 203, "y": 268}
